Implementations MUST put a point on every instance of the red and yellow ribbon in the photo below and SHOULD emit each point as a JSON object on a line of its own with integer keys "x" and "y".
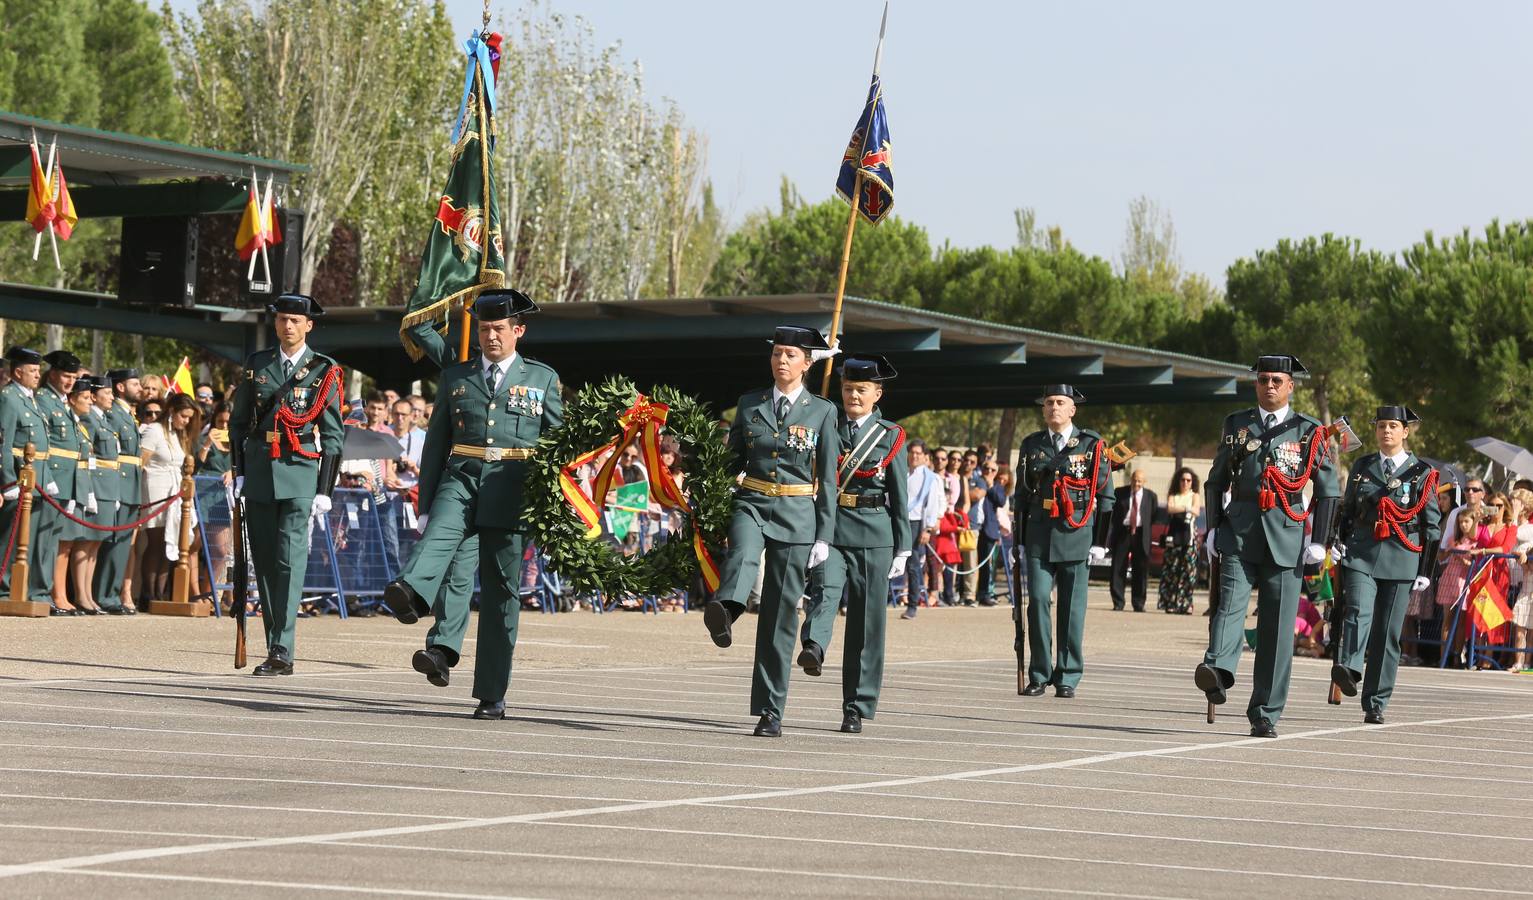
{"x": 642, "y": 421}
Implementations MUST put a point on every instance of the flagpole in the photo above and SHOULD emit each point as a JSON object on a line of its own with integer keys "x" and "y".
{"x": 255, "y": 188}
{"x": 37, "y": 243}
{"x": 53, "y": 189}
{"x": 846, "y": 260}
{"x": 266, "y": 211}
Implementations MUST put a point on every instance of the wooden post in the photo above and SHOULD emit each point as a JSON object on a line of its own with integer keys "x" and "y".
{"x": 180, "y": 602}
{"x": 17, "y": 603}
{"x": 846, "y": 259}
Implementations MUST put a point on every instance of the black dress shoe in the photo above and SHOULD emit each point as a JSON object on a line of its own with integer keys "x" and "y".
{"x": 1065, "y": 691}
{"x": 487, "y": 710}
{"x": 55, "y": 611}
{"x": 274, "y": 665}
{"x": 432, "y": 663}
{"x": 1206, "y": 677}
{"x": 719, "y": 623}
{"x": 768, "y": 726}
{"x": 1345, "y": 681}
{"x": 406, "y": 605}
{"x": 1033, "y": 689}
{"x": 851, "y": 722}
{"x": 87, "y": 611}
{"x": 114, "y": 611}
{"x": 909, "y": 613}
{"x": 987, "y": 602}
{"x": 1373, "y": 717}
{"x": 810, "y": 659}
{"x": 1264, "y": 729}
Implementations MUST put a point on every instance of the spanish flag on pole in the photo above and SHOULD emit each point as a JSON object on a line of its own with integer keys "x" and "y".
{"x": 64, "y": 216}
{"x": 39, "y": 195}
{"x": 1487, "y": 597}
{"x": 182, "y": 382}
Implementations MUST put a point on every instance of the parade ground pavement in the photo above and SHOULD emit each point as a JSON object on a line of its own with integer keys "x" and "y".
{"x": 138, "y": 763}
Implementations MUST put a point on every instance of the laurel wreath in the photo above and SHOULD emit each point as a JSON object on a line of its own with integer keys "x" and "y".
{"x": 590, "y": 421}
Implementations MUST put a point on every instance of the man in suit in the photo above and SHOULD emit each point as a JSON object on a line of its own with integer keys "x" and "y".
{"x": 490, "y": 412}
{"x": 1062, "y": 488}
{"x": 285, "y": 438}
{"x": 784, "y": 439}
{"x": 1266, "y": 459}
{"x": 1128, "y": 539}
{"x": 24, "y": 421}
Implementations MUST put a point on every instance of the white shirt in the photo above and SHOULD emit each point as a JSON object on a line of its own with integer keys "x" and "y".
{"x": 1398, "y": 459}
{"x": 1055, "y": 436}
{"x": 414, "y": 442}
{"x": 1135, "y": 497}
{"x": 503, "y": 366}
{"x": 857, "y": 422}
{"x": 792, "y": 398}
{"x": 295, "y": 359}
{"x": 1280, "y": 415}
{"x": 935, "y": 504}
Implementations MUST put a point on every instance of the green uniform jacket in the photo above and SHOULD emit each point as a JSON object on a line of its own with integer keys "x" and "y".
{"x": 1047, "y": 536}
{"x": 107, "y": 483}
{"x": 1387, "y": 559}
{"x": 884, "y": 525}
{"x": 800, "y": 451}
{"x": 526, "y": 402}
{"x": 1244, "y": 453}
{"x": 130, "y": 477}
{"x": 62, "y": 435}
{"x": 291, "y": 475}
{"x": 22, "y": 422}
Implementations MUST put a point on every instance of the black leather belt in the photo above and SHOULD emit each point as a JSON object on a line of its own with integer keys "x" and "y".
{"x": 860, "y": 501}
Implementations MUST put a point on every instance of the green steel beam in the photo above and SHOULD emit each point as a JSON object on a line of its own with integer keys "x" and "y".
{"x": 179, "y": 198}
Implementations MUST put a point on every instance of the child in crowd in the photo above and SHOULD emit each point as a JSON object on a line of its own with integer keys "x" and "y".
{"x": 1466, "y": 529}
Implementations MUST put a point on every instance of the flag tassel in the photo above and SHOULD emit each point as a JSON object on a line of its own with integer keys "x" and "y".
{"x": 846, "y": 261}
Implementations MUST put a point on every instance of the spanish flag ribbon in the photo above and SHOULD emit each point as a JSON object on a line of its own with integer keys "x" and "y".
{"x": 642, "y": 421}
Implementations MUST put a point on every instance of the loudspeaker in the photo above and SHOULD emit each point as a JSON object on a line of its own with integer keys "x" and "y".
{"x": 158, "y": 263}
{"x": 285, "y": 260}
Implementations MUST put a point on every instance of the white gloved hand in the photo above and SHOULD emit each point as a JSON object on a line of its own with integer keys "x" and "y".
{"x": 818, "y": 553}
{"x": 900, "y": 561}
{"x": 1313, "y": 553}
{"x": 1339, "y": 550}
{"x": 420, "y": 522}
{"x": 13, "y": 492}
{"x": 116, "y": 505}
{"x": 817, "y": 355}
{"x": 1209, "y": 544}
{"x": 90, "y": 503}
{"x": 1421, "y": 583}
{"x": 52, "y": 489}
{"x": 1098, "y": 554}
{"x": 239, "y": 485}
{"x": 322, "y": 503}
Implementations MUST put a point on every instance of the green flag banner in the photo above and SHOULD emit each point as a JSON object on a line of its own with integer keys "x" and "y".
{"x": 629, "y": 498}
{"x": 464, "y": 252}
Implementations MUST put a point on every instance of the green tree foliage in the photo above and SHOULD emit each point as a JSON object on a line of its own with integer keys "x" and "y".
{"x": 50, "y": 75}
{"x": 132, "y": 71}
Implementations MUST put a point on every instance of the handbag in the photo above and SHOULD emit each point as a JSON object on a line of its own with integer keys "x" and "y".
{"x": 968, "y": 540}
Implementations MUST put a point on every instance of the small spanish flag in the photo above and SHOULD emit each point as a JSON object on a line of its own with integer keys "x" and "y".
{"x": 252, "y": 233}
{"x": 182, "y": 382}
{"x": 1487, "y": 597}
{"x": 40, "y": 207}
{"x": 64, "y": 216}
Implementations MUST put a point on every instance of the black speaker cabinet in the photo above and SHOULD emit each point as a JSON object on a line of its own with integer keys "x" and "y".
{"x": 159, "y": 260}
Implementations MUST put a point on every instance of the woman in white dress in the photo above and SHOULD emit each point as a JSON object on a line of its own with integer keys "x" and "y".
{"x": 163, "y": 446}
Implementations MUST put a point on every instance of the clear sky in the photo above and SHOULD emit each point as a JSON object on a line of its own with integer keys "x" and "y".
{"x": 1246, "y": 122}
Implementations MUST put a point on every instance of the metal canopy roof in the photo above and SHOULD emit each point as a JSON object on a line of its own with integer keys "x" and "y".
{"x": 714, "y": 348}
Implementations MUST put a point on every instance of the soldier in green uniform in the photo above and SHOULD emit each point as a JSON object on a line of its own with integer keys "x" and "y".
{"x": 78, "y": 541}
{"x": 489, "y": 414}
{"x": 1266, "y": 458}
{"x": 285, "y": 436}
{"x": 784, "y": 439}
{"x": 450, "y": 608}
{"x": 871, "y": 543}
{"x": 57, "y": 475}
{"x": 1387, "y": 532}
{"x": 22, "y": 422}
{"x": 121, "y": 421}
{"x": 1064, "y": 488}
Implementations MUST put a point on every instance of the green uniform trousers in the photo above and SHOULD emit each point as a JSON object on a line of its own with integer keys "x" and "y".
{"x": 112, "y": 559}
{"x": 1071, "y": 578}
{"x": 281, "y": 563}
{"x": 1277, "y": 606}
{"x": 865, "y": 570}
{"x": 48, "y": 527}
{"x": 451, "y": 606}
{"x": 1374, "y": 617}
{"x": 777, "y": 624}
{"x": 500, "y": 576}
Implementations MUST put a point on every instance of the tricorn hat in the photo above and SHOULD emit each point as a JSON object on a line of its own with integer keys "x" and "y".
{"x": 866, "y": 367}
{"x": 22, "y": 356}
{"x": 296, "y": 305}
{"x": 1401, "y": 414}
{"x": 1282, "y": 363}
{"x": 1060, "y": 390}
{"x": 85, "y": 384}
{"x": 118, "y": 376}
{"x": 62, "y": 361}
{"x": 799, "y": 336}
{"x": 502, "y": 303}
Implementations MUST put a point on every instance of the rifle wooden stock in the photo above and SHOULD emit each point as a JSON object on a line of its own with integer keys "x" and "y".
{"x": 241, "y": 579}
{"x": 1018, "y": 610}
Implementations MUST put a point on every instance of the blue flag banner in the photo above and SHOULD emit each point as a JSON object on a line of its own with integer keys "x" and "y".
{"x": 867, "y": 154}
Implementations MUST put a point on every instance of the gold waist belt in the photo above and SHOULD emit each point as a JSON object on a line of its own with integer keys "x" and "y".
{"x": 491, "y": 454}
{"x": 61, "y": 453}
{"x": 773, "y": 489}
{"x": 106, "y": 463}
{"x": 126, "y": 460}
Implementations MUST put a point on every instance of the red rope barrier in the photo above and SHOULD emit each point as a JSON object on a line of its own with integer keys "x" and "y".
{"x": 158, "y": 506}
{"x": 10, "y": 543}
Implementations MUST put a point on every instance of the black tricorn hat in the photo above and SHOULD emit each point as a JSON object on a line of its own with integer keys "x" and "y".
{"x": 502, "y": 303}
{"x": 62, "y": 361}
{"x": 1060, "y": 390}
{"x": 22, "y": 356}
{"x": 799, "y": 336}
{"x": 1283, "y": 363}
{"x": 866, "y": 367}
{"x": 1401, "y": 414}
{"x": 98, "y": 382}
{"x": 118, "y": 376}
{"x": 85, "y": 384}
{"x": 296, "y": 305}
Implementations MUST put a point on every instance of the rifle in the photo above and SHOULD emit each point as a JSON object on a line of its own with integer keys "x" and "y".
{"x": 241, "y": 577}
{"x": 1017, "y": 601}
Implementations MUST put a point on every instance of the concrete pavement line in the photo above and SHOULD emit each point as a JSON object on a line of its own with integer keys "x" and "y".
{"x": 1046, "y": 857}
{"x": 1455, "y": 795}
{"x": 1375, "y": 756}
{"x": 30, "y": 826}
{"x": 76, "y": 862}
{"x": 1175, "y": 839}
{"x": 1378, "y": 772}
{"x": 190, "y": 677}
{"x": 246, "y": 806}
{"x": 293, "y": 885}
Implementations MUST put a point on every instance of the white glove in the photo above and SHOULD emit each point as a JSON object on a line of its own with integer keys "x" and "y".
{"x": 900, "y": 561}
{"x": 52, "y": 489}
{"x": 1339, "y": 550}
{"x": 817, "y": 355}
{"x": 116, "y": 505}
{"x": 239, "y": 485}
{"x": 322, "y": 503}
{"x": 1422, "y": 583}
{"x": 1098, "y": 554}
{"x": 1208, "y": 544}
{"x": 818, "y": 553}
{"x": 13, "y": 492}
{"x": 420, "y": 522}
{"x": 1313, "y": 553}
{"x": 90, "y": 504}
